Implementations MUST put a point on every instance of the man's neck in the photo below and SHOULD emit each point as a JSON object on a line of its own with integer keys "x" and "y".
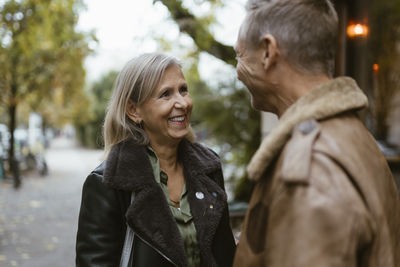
{"x": 296, "y": 86}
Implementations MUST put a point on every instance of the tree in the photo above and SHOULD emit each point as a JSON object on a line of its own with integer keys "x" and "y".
{"x": 90, "y": 131}
{"x": 41, "y": 55}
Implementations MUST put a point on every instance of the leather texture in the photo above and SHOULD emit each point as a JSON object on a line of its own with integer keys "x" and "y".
{"x": 106, "y": 209}
{"x": 326, "y": 198}
{"x": 145, "y": 255}
{"x": 101, "y": 226}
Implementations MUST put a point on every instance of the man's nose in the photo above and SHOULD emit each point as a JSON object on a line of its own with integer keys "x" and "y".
{"x": 237, "y": 67}
{"x": 238, "y": 72}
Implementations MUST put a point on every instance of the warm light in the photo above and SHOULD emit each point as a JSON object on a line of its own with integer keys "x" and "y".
{"x": 375, "y": 68}
{"x": 357, "y": 30}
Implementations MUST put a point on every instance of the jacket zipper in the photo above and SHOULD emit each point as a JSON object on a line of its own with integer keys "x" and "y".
{"x": 158, "y": 251}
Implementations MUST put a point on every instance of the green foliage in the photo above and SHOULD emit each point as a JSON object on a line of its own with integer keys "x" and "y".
{"x": 90, "y": 132}
{"x": 228, "y": 113}
{"x": 41, "y": 49}
{"x": 230, "y": 120}
{"x": 41, "y": 59}
{"x": 101, "y": 93}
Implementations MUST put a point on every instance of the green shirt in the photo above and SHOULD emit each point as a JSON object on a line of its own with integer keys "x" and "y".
{"x": 182, "y": 215}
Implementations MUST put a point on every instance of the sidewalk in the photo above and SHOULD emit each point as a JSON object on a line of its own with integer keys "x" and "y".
{"x": 38, "y": 222}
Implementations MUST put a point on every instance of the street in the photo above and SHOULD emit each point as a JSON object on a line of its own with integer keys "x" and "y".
{"x": 38, "y": 222}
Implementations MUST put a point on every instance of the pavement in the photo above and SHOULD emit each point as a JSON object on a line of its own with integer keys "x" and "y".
{"x": 38, "y": 222}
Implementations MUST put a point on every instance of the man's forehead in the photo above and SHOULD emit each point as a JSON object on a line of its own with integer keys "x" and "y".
{"x": 243, "y": 28}
{"x": 236, "y": 47}
{"x": 241, "y": 35}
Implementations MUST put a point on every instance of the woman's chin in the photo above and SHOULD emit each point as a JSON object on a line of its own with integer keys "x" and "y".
{"x": 179, "y": 135}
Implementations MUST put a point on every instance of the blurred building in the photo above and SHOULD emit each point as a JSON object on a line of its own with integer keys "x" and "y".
{"x": 353, "y": 60}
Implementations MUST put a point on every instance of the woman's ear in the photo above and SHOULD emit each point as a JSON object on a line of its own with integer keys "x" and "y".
{"x": 270, "y": 51}
{"x": 132, "y": 112}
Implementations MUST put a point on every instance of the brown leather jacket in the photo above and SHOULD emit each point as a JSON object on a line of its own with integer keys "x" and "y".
{"x": 324, "y": 194}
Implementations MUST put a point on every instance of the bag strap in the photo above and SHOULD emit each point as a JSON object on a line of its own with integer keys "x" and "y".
{"x": 127, "y": 249}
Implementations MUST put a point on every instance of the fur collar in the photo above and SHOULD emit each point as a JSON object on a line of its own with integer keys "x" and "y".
{"x": 329, "y": 99}
{"x": 128, "y": 168}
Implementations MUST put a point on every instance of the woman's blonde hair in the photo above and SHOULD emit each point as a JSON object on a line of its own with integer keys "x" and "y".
{"x": 137, "y": 81}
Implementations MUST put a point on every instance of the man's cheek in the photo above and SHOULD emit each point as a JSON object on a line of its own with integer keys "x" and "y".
{"x": 242, "y": 73}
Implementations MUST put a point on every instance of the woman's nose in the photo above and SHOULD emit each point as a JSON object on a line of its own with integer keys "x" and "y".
{"x": 180, "y": 102}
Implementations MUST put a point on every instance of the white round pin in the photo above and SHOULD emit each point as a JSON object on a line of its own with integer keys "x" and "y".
{"x": 199, "y": 195}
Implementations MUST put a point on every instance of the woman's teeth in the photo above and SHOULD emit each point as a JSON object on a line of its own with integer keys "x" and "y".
{"x": 178, "y": 119}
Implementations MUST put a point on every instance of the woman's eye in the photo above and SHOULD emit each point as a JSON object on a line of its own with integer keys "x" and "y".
{"x": 165, "y": 94}
{"x": 183, "y": 89}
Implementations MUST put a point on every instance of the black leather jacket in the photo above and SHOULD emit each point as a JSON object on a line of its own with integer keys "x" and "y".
{"x": 106, "y": 209}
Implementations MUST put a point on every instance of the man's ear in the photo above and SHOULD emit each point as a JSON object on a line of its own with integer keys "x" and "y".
{"x": 132, "y": 112}
{"x": 270, "y": 51}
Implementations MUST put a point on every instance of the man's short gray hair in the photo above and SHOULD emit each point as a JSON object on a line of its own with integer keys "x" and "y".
{"x": 305, "y": 30}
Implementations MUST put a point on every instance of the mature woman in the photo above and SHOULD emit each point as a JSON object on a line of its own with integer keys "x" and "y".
{"x": 158, "y": 199}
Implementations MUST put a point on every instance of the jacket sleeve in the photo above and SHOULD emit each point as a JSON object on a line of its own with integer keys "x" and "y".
{"x": 101, "y": 226}
{"x": 324, "y": 223}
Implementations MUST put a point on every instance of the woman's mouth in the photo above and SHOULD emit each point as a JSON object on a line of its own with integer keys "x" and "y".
{"x": 178, "y": 120}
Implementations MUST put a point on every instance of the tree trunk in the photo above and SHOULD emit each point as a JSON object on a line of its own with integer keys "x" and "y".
{"x": 14, "y": 166}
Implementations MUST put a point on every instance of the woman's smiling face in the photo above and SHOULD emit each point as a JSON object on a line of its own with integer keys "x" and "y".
{"x": 166, "y": 115}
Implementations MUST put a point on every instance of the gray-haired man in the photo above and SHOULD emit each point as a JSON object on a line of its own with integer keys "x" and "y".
{"x": 324, "y": 194}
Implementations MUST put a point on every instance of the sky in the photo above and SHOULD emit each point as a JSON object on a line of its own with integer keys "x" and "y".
{"x": 127, "y": 28}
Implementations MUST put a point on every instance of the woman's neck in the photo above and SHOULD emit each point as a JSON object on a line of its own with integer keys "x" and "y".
{"x": 167, "y": 156}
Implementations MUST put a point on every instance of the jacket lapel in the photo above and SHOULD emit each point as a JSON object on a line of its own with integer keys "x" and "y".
{"x": 206, "y": 212}
{"x": 128, "y": 168}
{"x": 150, "y": 217}
{"x": 207, "y": 199}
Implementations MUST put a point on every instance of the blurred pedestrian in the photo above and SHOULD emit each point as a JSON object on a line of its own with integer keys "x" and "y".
{"x": 324, "y": 195}
{"x": 159, "y": 199}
